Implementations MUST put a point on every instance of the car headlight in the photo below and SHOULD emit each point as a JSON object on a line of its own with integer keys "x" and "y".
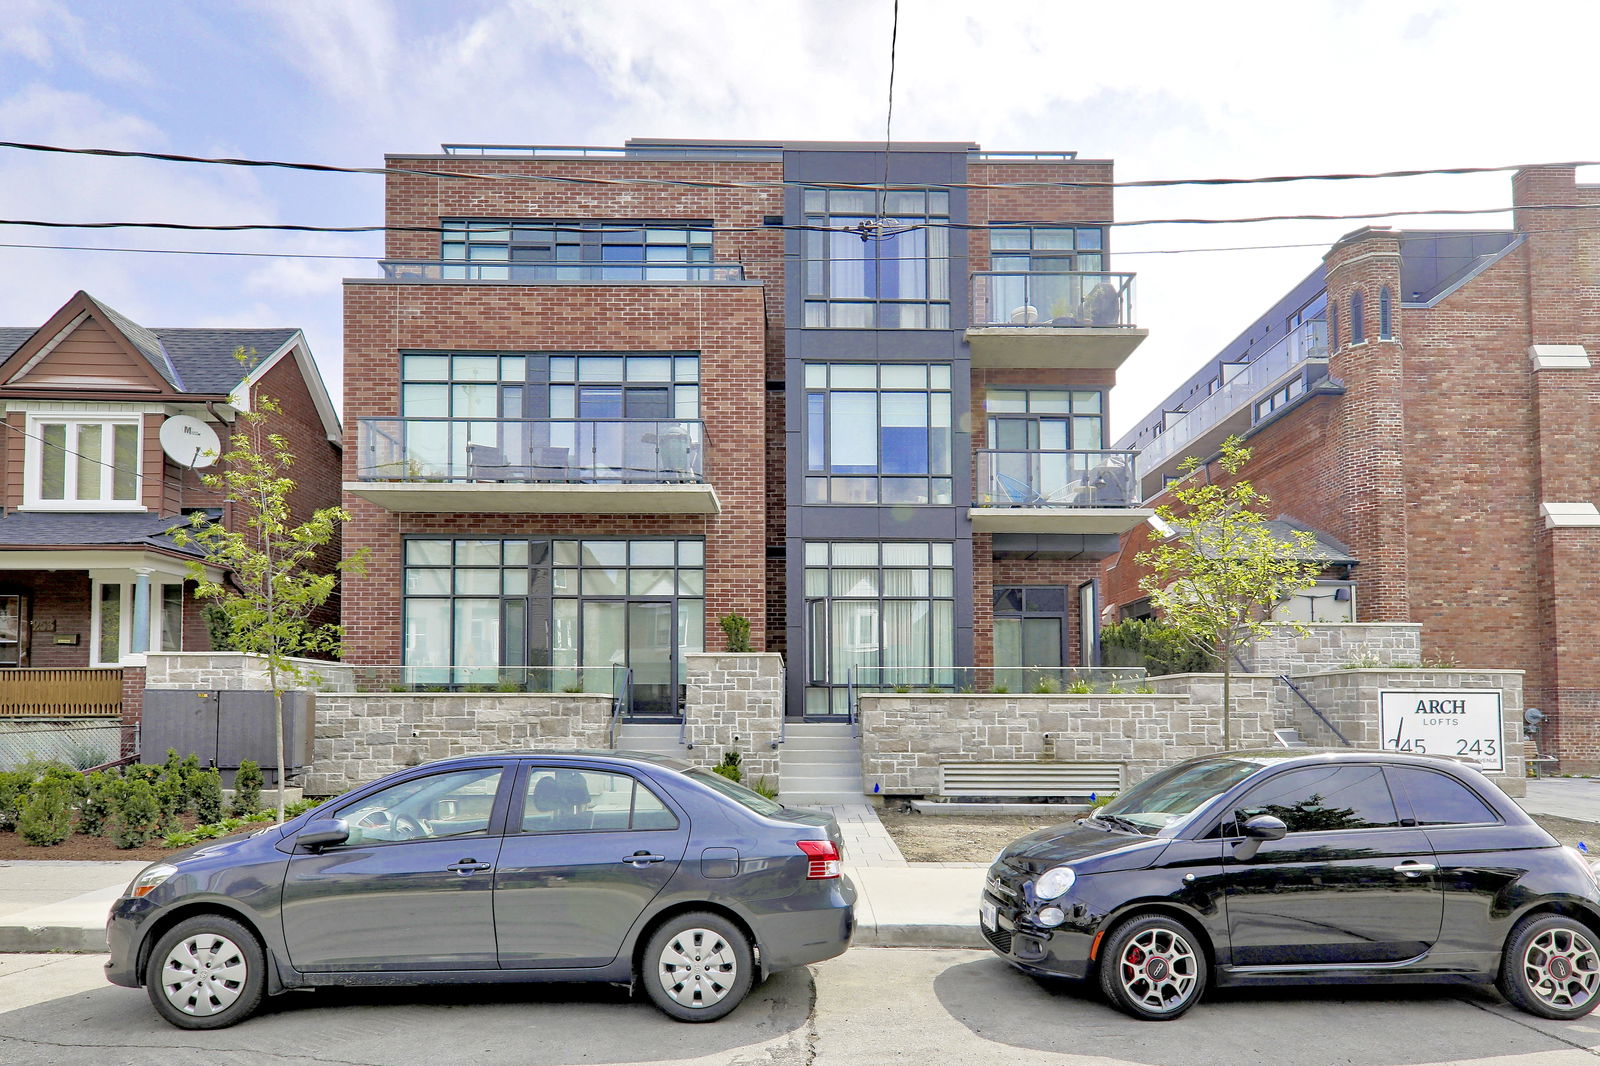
{"x": 1054, "y": 882}
{"x": 147, "y": 881}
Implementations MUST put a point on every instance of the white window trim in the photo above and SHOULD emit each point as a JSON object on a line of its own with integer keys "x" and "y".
{"x": 33, "y": 464}
{"x": 125, "y": 628}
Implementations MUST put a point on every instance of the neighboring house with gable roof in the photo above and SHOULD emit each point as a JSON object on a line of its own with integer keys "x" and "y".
{"x": 90, "y": 575}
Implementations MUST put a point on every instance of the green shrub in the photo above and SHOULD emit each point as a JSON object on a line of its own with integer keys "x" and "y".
{"x": 1081, "y": 687}
{"x": 247, "y": 782}
{"x": 184, "y": 839}
{"x": 301, "y": 806}
{"x": 1000, "y": 690}
{"x": 1046, "y": 686}
{"x": 135, "y": 813}
{"x": 46, "y": 816}
{"x": 762, "y": 788}
{"x": 729, "y": 767}
{"x": 190, "y": 767}
{"x": 169, "y": 796}
{"x": 219, "y": 626}
{"x": 736, "y": 628}
{"x": 94, "y": 810}
{"x": 1156, "y": 646}
{"x": 1144, "y": 688}
{"x": 14, "y": 785}
{"x": 206, "y": 790}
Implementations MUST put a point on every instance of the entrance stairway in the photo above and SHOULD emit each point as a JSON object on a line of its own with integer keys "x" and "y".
{"x": 820, "y": 763}
{"x": 654, "y": 737}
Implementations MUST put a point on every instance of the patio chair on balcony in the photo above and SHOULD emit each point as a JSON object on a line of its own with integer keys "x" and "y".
{"x": 1018, "y": 493}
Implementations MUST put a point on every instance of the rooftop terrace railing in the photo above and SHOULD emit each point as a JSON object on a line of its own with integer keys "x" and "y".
{"x": 649, "y": 151}
{"x": 426, "y": 270}
{"x": 1306, "y": 344}
{"x": 1043, "y": 298}
{"x": 531, "y": 451}
{"x": 1041, "y": 478}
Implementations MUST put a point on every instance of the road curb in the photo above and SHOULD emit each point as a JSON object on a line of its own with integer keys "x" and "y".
{"x": 67, "y": 939}
{"x": 918, "y": 936}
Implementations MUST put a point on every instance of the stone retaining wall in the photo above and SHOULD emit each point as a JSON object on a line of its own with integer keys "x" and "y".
{"x": 1334, "y": 644}
{"x": 734, "y": 701}
{"x": 1349, "y": 698}
{"x": 904, "y": 738}
{"x": 361, "y": 737}
{"x": 237, "y": 671}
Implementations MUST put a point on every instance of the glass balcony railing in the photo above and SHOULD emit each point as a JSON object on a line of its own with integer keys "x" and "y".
{"x": 1305, "y": 344}
{"x": 425, "y": 270}
{"x": 1037, "y": 478}
{"x": 531, "y": 451}
{"x": 1039, "y": 298}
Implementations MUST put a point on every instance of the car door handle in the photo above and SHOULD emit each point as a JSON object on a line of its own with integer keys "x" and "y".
{"x": 643, "y": 858}
{"x": 1411, "y": 869}
{"x": 467, "y": 866}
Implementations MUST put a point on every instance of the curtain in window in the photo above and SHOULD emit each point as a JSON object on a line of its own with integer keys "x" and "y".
{"x": 853, "y": 432}
{"x": 905, "y": 642}
{"x": 854, "y": 637}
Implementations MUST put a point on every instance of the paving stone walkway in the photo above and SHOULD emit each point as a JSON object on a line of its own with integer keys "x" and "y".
{"x": 866, "y": 841}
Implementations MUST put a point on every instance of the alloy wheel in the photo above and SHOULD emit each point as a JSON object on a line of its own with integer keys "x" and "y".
{"x": 1158, "y": 969}
{"x": 1561, "y": 967}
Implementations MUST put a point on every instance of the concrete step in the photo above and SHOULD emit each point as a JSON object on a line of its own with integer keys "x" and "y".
{"x": 819, "y": 729}
{"x": 844, "y": 743}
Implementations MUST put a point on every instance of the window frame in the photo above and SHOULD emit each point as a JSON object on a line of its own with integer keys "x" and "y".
{"x": 497, "y": 807}
{"x": 514, "y": 826}
{"x": 1228, "y": 825}
{"x": 1409, "y": 820}
{"x": 817, "y": 285}
{"x": 1358, "y": 317}
{"x": 940, "y": 484}
{"x": 159, "y": 583}
{"x": 33, "y": 498}
{"x": 587, "y": 236}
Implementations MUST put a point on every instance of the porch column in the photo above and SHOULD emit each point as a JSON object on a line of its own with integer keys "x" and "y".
{"x": 141, "y": 613}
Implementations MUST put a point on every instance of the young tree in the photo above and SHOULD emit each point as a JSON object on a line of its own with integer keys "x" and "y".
{"x": 272, "y": 585}
{"x": 1218, "y": 577}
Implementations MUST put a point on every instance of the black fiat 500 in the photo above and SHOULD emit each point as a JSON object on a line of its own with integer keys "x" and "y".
{"x": 1277, "y": 867}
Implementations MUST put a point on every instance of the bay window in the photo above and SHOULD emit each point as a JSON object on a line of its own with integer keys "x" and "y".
{"x": 82, "y": 463}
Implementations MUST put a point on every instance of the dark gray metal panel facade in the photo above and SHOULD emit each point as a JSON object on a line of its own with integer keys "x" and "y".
{"x": 805, "y": 522}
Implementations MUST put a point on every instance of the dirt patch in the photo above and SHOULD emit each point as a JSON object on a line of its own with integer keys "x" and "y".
{"x": 958, "y": 838}
{"x": 79, "y": 849}
{"x": 975, "y": 838}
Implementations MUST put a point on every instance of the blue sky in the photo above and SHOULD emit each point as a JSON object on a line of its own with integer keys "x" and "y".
{"x": 1165, "y": 89}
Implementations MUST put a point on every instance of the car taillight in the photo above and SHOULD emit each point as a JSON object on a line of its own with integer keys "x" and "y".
{"x": 824, "y": 859}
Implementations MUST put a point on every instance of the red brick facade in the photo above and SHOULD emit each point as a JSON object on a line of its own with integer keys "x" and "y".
{"x": 1434, "y": 463}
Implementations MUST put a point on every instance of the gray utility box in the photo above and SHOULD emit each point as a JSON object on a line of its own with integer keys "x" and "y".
{"x": 225, "y": 727}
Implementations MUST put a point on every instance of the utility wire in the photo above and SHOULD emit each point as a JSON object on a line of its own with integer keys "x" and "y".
{"x": 968, "y": 226}
{"x": 328, "y": 168}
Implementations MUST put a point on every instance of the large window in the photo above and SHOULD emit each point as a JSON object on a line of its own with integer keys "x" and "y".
{"x": 1030, "y": 635}
{"x": 112, "y": 619}
{"x": 577, "y": 250}
{"x": 878, "y": 433}
{"x": 901, "y": 281}
{"x": 554, "y": 614}
{"x": 552, "y": 417}
{"x": 1047, "y": 419}
{"x": 82, "y": 464}
{"x": 877, "y": 614}
{"x": 1022, "y": 259}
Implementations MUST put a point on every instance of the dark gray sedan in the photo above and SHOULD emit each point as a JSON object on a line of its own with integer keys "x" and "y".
{"x": 524, "y": 866}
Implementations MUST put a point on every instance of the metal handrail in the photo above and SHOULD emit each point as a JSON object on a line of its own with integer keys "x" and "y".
{"x": 1324, "y": 718}
{"x": 427, "y": 270}
{"x": 621, "y": 698}
{"x": 1015, "y": 477}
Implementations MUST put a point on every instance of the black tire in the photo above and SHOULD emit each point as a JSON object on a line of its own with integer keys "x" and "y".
{"x": 1153, "y": 967}
{"x": 1551, "y": 967}
{"x": 206, "y": 972}
{"x": 697, "y": 967}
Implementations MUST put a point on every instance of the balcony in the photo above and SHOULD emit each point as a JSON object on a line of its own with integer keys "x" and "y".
{"x": 1076, "y": 319}
{"x": 427, "y": 271}
{"x": 1085, "y": 492}
{"x": 533, "y": 466}
{"x": 1299, "y": 356}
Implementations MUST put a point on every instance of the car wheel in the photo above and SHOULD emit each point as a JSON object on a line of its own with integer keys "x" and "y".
{"x": 206, "y": 972}
{"x": 697, "y": 967}
{"x": 1153, "y": 968}
{"x": 1551, "y": 967}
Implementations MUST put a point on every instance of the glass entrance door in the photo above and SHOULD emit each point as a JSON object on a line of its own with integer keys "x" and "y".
{"x": 1030, "y": 627}
{"x": 650, "y": 644}
{"x": 13, "y": 630}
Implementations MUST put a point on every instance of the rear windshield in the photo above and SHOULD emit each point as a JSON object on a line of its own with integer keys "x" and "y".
{"x": 744, "y": 797}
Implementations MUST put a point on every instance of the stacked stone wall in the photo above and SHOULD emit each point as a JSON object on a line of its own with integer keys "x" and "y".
{"x": 734, "y": 702}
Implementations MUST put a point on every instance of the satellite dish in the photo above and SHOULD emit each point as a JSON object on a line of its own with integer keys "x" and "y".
{"x": 189, "y": 441}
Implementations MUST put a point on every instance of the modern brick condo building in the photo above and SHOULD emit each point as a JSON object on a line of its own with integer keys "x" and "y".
{"x": 590, "y": 418}
{"x": 1428, "y": 401}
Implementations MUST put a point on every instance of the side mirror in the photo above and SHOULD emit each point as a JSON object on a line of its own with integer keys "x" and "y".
{"x": 1257, "y": 830}
{"x": 322, "y": 833}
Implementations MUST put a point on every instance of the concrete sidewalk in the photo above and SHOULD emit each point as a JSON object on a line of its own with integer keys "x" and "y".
{"x": 61, "y": 906}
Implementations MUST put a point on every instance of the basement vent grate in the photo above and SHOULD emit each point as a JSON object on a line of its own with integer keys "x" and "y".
{"x": 1057, "y": 779}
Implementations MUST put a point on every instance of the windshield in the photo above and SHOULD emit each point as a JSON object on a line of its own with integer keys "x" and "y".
{"x": 1174, "y": 794}
{"x": 735, "y": 791}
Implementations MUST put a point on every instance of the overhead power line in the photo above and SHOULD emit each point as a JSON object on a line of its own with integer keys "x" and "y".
{"x": 1151, "y": 183}
{"x": 982, "y": 226}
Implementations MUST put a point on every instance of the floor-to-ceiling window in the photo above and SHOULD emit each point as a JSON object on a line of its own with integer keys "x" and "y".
{"x": 554, "y": 614}
{"x": 877, "y": 614}
{"x": 878, "y": 433}
{"x": 577, "y": 250}
{"x": 1044, "y": 445}
{"x": 1030, "y": 635}
{"x": 893, "y": 277}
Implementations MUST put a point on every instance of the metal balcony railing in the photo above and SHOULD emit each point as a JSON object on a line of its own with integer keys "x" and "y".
{"x": 1040, "y": 478}
{"x": 1042, "y": 298}
{"x": 531, "y": 451}
{"x": 428, "y": 270}
{"x": 1304, "y": 345}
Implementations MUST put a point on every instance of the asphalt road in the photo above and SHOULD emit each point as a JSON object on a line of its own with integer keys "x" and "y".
{"x": 874, "y": 1005}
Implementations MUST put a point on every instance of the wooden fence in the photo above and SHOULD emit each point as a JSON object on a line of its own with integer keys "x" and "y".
{"x": 79, "y": 692}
